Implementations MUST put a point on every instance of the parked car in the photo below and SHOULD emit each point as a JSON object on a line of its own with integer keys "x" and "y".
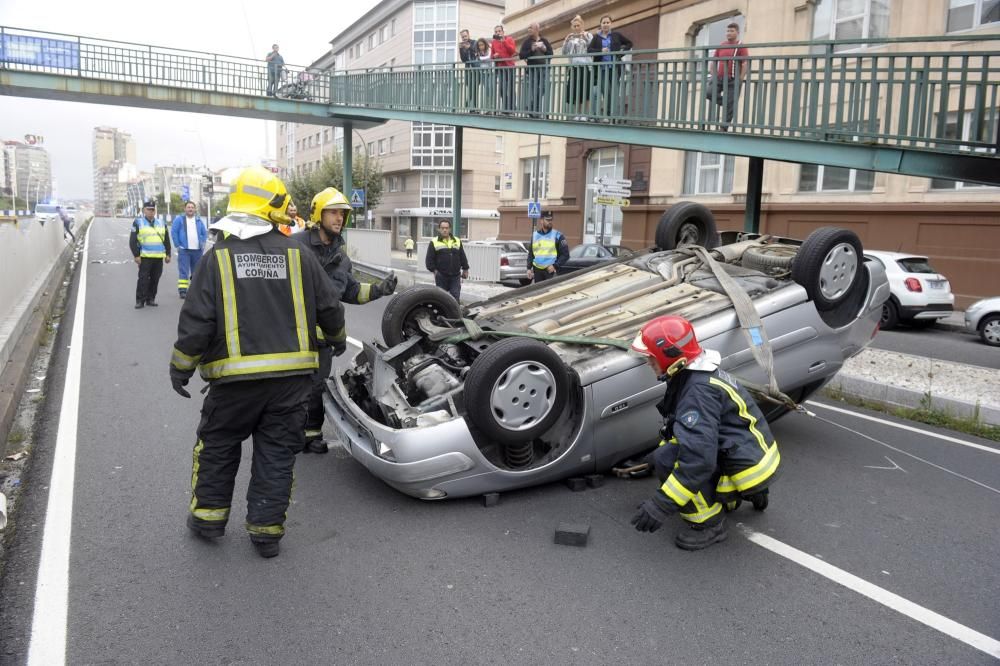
{"x": 513, "y": 261}
{"x": 438, "y": 414}
{"x": 591, "y": 254}
{"x": 983, "y": 317}
{"x": 920, "y": 295}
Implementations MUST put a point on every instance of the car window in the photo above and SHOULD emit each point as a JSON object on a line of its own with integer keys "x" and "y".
{"x": 512, "y": 247}
{"x": 592, "y": 251}
{"x": 45, "y": 208}
{"x": 916, "y": 265}
{"x": 577, "y": 251}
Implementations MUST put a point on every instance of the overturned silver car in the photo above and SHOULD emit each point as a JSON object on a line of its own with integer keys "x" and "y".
{"x": 533, "y": 386}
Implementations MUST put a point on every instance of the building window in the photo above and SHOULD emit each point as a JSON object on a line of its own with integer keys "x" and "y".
{"x": 326, "y": 136}
{"x": 371, "y": 42}
{"x": 984, "y": 132}
{"x": 499, "y": 144}
{"x": 392, "y": 144}
{"x": 371, "y": 149}
{"x": 850, "y": 19}
{"x": 496, "y": 183}
{"x": 317, "y": 138}
{"x": 396, "y": 183}
{"x": 708, "y": 173}
{"x": 966, "y": 14}
{"x": 392, "y": 28}
{"x": 381, "y": 146}
{"x": 435, "y": 190}
{"x": 822, "y": 178}
{"x": 608, "y": 162}
{"x": 433, "y": 146}
{"x": 383, "y": 34}
{"x": 530, "y": 178}
{"x": 435, "y": 26}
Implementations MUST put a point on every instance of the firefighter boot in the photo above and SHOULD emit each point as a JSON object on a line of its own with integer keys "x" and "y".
{"x": 266, "y": 548}
{"x": 693, "y": 536}
{"x": 204, "y": 529}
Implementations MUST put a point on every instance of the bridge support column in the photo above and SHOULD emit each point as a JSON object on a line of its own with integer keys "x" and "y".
{"x": 456, "y": 186}
{"x": 755, "y": 183}
{"x": 349, "y": 161}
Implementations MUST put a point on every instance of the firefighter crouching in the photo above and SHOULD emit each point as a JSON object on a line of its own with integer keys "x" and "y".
{"x": 248, "y": 324}
{"x": 329, "y": 214}
{"x": 716, "y": 446}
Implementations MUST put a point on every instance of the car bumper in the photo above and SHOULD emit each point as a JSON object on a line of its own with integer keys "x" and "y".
{"x": 513, "y": 273}
{"x": 929, "y": 311}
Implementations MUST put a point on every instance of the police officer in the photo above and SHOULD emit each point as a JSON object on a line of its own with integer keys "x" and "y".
{"x": 548, "y": 250}
{"x": 249, "y": 325}
{"x": 716, "y": 446}
{"x": 150, "y": 245}
{"x": 446, "y": 260}
{"x": 329, "y": 214}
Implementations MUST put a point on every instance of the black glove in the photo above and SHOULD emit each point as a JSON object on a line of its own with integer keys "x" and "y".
{"x": 652, "y": 513}
{"x": 388, "y": 285}
{"x": 339, "y": 347}
{"x": 179, "y": 382}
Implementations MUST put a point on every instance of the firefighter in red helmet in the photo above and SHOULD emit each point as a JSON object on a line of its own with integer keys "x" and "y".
{"x": 716, "y": 446}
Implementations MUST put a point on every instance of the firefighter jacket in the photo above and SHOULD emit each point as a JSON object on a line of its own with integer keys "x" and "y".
{"x": 337, "y": 265}
{"x": 548, "y": 249}
{"x": 149, "y": 240}
{"x": 252, "y": 311}
{"x": 446, "y": 256}
{"x": 721, "y": 436}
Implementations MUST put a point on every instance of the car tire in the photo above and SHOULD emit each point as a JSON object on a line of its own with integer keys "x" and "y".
{"x": 769, "y": 257}
{"x": 686, "y": 222}
{"x": 989, "y": 330}
{"x": 890, "y": 316}
{"x": 516, "y": 390}
{"x": 399, "y": 320}
{"x": 829, "y": 266}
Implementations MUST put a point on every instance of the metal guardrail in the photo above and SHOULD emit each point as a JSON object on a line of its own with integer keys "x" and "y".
{"x": 906, "y": 92}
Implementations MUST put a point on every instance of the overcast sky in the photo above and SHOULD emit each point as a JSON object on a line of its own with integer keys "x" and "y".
{"x": 246, "y": 28}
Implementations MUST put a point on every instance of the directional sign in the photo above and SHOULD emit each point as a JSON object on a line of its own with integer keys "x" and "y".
{"x": 186, "y": 192}
{"x": 534, "y": 210}
{"x": 357, "y": 198}
{"x": 613, "y": 182}
{"x": 613, "y": 192}
{"x": 612, "y": 201}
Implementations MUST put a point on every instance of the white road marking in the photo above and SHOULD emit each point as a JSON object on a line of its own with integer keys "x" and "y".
{"x": 892, "y": 462}
{"x": 354, "y": 341}
{"x": 953, "y": 440}
{"x": 49, "y": 622}
{"x": 970, "y": 637}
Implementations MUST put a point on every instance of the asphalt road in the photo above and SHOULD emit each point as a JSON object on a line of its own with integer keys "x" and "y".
{"x": 367, "y": 575}
{"x": 940, "y": 343}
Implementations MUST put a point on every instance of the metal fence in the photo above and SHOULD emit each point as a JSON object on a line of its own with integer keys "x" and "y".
{"x": 371, "y": 246}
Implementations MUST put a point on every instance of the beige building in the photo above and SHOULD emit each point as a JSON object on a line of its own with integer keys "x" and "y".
{"x": 113, "y": 166}
{"x": 957, "y": 224}
{"x": 417, "y": 159}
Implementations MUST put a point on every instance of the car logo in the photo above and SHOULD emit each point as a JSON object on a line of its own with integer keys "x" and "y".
{"x": 619, "y": 407}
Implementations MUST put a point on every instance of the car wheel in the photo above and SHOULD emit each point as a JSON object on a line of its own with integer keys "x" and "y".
{"x": 890, "y": 316}
{"x": 769, "y": 257}
{"x": 516, "y": 390}
{"x": 686, "y": 223}
{"x": 989, "y": 330}
{"x": 829, "y": 266}
{"x": 400, "y": 318}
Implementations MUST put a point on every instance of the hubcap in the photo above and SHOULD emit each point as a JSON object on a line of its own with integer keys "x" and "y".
{"x": 688, "y": 234}
{"x": 523, "y": 395}
{"x": 991, "y": 331}
{"x": 837, "y": 273}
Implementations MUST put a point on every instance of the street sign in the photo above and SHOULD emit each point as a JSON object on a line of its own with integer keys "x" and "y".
{"x": 357, "y": 198}
{"x": 612, "y": 201}
{"x": 534, "y": 210}
{"x": 186, "y": 192}
{"x": 613, "y": 192}
{"x": 613, "y": 182}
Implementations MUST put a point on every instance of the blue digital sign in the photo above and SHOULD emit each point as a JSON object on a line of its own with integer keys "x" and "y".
{"x": 40, "y": 52}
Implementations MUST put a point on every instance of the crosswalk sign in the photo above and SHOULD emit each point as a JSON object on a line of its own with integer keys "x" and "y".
{"x": 357, "y": 198}
{"x": 534, "y": 210}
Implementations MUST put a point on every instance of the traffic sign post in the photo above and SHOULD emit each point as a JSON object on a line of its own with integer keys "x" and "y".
{"x": 534, "y": 210}
{"x": 357, "y": 198}
{"x": 611, "y": 192}
{"x": 612, "y": 201}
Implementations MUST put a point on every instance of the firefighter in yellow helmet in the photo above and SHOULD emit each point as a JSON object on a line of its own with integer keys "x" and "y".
{"x": 249, "y": 326}
{"x": 329, "y": 215}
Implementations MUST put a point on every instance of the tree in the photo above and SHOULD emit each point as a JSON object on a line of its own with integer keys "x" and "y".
{"x": 366, "y": 172}
{"x": 220, "y": 202}
{"x": 176, "y": 204}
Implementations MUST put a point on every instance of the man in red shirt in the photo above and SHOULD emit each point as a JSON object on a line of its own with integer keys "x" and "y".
{"x": 731, "y": 70}
{"x": 505, "y": 55}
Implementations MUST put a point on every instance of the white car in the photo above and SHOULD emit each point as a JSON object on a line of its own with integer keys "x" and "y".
{"x": 983, "y": 318}
{"x": 920, "y": 295}
{"x": 46, "y": 213}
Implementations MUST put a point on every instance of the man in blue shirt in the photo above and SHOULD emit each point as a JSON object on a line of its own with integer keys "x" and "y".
{"x": 190, "y": 234}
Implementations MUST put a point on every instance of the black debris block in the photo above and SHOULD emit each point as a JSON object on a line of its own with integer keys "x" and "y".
{"x": 595, "y": 480}
{"x": 572, "y": 534}
{"x": 576, "y": 483}
{"x": 491, "y": 499}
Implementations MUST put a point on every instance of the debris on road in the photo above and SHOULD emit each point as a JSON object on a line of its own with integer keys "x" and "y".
{"x": 14, "y": 457}
{"x": 595, "y": 480}
{"x": 491, "y": 499}
{"x": 576, "y": 483}
{"x": 572, "y": 534}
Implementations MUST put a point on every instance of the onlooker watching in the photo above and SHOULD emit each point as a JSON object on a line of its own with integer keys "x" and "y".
{"x": 275, "y": 63}
{"x": 467, "y": 53}
{"x": 190, "y": 235}
{"x": 579, "y": 82}
{"x": 548, "y": 251}
{"x": 608, "y": 45}
{"x": 730, "y": 72}
{"x": 533, "y": 51}
{"x": 504, "y": 52}
{"x": 408, "y": 245}
{"x": 446, "y": 260}
{"x": 297, "y": 222}
{"x": 486, "y": 79}
{"x": 67, "y": 221}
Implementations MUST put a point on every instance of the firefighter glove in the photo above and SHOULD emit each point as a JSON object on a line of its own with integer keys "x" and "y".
{"x": 179, "y": 383}
{"x": 388, "y": 285}
{"x": 339, "y": 347}
{"x": 651, "y": 514}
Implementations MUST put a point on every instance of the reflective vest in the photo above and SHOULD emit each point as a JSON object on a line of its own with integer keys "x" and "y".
{"x": 545, "y": 248}
{"x": 150, "y": 236}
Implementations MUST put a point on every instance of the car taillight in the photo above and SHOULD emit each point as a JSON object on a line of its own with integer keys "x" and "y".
{"x": 913, "y": 284}
{"x": 504, "y": 261}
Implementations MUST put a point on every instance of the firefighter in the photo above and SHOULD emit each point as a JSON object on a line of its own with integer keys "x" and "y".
{"x": 329, "y": 215}
{"x": 249, "y": 325}
{"x": 549, "y": 250}
{"x": 149, "y": 242}
{"x": 716, "y": 446}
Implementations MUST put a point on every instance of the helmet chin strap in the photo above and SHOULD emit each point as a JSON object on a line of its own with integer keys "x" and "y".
{"x": 673, "y": 369}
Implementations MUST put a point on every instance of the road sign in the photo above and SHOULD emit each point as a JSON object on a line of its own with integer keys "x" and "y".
{"x": 186, "y": 192}
{"x": 612, "y": 201}
{"x": 534, "y": 210}
{"x": 357, "y": 198}
{"x": 613, "y": 182}
{"x": 613, "y": 192}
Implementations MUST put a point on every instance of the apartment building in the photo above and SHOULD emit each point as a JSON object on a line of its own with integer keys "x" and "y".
{"x": 27, "y": 173}
{"x": 114, "y": 162}
{"x": 956, "y": 223}
{"x": 417, "y": 159}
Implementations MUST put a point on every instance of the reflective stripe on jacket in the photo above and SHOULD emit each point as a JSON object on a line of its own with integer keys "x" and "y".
{"x": 151, "y": 237}
{"x": 446, "y": 256}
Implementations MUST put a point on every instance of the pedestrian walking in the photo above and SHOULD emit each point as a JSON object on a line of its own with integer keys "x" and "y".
{"x": 607, "y": 45}
{"x": 579, "y": 81}
{"x": 536, "y": 52}
{"x": 504, "y": 53}
{"x": 189, "y": 234}
{"x": 446, "y": 260}
{"x": 731, "y": 70}
{"x": 150, "y": 245}
{"x": 67, "y": 222}
{"x": 548, "y": 250}
{"x": 408, "y": 246}
{"x": 249, "y": 326}
{"x": 715, "y": 447}
{"x": 329, "y": 214}
{"x": 275, "y": 65}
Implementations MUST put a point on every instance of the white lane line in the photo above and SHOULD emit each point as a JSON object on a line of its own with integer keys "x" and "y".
{"x": 953, "y": 440}
{"x": 48, "y": 624}
{"x": 970, "y": 637}
{"x": 354, "y": 341}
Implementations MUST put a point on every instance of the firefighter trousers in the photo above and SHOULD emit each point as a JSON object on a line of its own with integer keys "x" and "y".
{"x": 314, "y": 420}
{"x": 273, "y": 413}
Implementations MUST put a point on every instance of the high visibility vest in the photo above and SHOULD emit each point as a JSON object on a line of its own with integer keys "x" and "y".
{"x": 544, "y": 248}
{"x": 150, "y": 236}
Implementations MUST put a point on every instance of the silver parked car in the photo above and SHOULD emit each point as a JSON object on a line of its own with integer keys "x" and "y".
{"x": 983, "y": 318}
{"x": 459, "y": 402}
